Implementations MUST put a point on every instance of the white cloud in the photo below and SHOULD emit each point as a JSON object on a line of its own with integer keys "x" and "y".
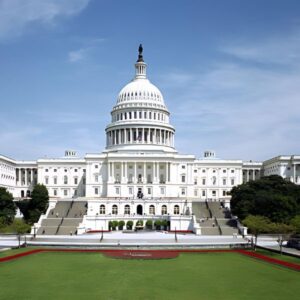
{"x": 275, "y": 49}
{"x": 246, "y": 111}
{"x": 17, "y": 15}
{"x": 82, "y": 53}
{"x": 78, "y": 55}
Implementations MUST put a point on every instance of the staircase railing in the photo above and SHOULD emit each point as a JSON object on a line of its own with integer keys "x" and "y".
{"x": 219, "y": 227}
{"x": 62, "y": 219}
{"x": 209, "y": 210}
{"x": 69, "y": 209}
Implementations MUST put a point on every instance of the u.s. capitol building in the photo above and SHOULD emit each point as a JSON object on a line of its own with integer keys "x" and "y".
{"x": 139, "y": 175}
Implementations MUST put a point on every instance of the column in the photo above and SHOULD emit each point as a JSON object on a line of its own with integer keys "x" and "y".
{"x": 130, "y": 137}
{"x": 136, "y": 135}
{"x": 154, "y": 136}
{"x": 145, "y": 173}
{"x": 247, "y": 175}
{"x": 125, "y": 171}
{"x": 153, "y": 172}
{"x": 125, "y": 136}
{"x": 135, "y": 173}
{"x": 160, "y": 136}
{"x": 167, "y": 172}
{"x": 31, "y": 176}
{"x": 26, "y": 176}
{"x": 113, "y": 171}
{"x": 253, "y": 175}
{"x": 294, "y": 172}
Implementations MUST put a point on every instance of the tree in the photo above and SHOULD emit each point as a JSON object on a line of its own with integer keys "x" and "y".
{"x": 38, "y": 203}
{"x": 20, "y": 227}
{"x": 110, "y": 225}
{"x": 121, "y": 225}
{"x": 271, "y": 197}
{"x": 165, "y": 224}
{"x": 7, "y": 206}
{"x": 296, "y": 223}
{"x": 129, "y": 225}
{"x": 284, "y": 231}
{"x": 257, "y": 225}
{"x": 114, "y": 225}
{"x": 149, "y": 224}
{"x": 157, "y": 224}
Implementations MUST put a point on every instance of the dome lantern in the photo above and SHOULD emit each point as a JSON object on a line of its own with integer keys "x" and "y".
{"x": 140, "y": 66}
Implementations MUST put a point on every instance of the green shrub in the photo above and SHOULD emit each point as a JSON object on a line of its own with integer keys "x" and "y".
{"x": 140, "y": 223}
{"x": 129, "y": 225}
{"x": 149, "y": 224}
{"x": 121, "y": 225}
{"x": 114, "y": 225}
{"x": 157, "y": 224}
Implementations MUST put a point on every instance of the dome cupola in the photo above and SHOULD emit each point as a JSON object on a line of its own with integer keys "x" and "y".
{"x": 140, "y": 118}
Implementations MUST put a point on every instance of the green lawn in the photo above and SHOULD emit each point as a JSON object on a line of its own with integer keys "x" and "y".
{"x": 190, "y": 276}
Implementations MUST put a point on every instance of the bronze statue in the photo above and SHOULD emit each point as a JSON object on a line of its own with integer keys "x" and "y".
{"x": 140, "y": 58}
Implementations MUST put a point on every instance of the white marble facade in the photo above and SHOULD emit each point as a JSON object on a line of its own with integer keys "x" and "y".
{"x": 140, "y": 161}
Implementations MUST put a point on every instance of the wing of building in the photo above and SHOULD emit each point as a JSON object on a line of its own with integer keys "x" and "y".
{"x": 139, "y": 175}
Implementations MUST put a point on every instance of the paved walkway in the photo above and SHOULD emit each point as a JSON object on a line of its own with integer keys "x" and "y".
{"x": 128, "y": 239}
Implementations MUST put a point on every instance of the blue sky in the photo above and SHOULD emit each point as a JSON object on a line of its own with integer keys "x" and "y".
{"x": 229, "y": 72}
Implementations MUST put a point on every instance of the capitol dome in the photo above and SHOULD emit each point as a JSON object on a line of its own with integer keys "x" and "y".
{"x": 140, "y": 116}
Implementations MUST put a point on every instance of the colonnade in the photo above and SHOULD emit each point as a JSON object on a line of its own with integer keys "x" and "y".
{"x": 250, "y": 174}
{"x": 140, "y": 135}
{"x": 139, "y": 172}
{"x": 25, "y": 176}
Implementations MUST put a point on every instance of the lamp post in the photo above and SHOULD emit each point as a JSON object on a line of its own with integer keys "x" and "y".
{"x": 101, "y": 234}
{"x": 34, "y": 231}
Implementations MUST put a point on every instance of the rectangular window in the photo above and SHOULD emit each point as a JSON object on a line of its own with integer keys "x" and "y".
{"x": 224, "y": 193}
{"x": 214, "y": 193}
{"x": 96, "y": 191}
{"x": 117, "y": 190}
{"x": 96, "y": 178}
{"x": 130, "y": 191}
{"x": 55, "y": 192}
{"x": 195, "y": 181}
{"x": 182, "y": 192}
{"x": 75, "y": 180}
{"x": 195, "y": 193}
{"x": 46, "y": 180}
{"x": 224, "y": 181}
{"x": 232, "y": 181}
{"x": 55, "y": 180}
{"x": 65, "y": 192}
{"x": 149, "y": 191}
{"x": 183, "y": 178}
{"x": 203, "y": 181}
{"x": 162, "y": 191}
{"x": 203, "y": 193}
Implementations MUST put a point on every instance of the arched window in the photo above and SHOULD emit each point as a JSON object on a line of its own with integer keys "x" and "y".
{"x": 65, "y": 179}
{"x": 176, "y": 210}
{"x": 102, "y": 209}
{"x": 164, "y": 210}
{"x": 115, "y": 210}
{"x": 152, "y": 210}
{"x": 127, "y": 210}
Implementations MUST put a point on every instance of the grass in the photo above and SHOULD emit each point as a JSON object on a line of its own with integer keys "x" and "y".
{"x": 190, "y": 276}
{"x": 279, "y": 256}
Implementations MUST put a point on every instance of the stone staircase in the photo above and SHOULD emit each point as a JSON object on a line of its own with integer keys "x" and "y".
{"x": 214, "y": 219}
{"x": 64, "y": 218}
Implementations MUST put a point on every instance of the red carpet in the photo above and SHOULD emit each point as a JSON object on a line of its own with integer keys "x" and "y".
{"x": 157, "y": 254}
